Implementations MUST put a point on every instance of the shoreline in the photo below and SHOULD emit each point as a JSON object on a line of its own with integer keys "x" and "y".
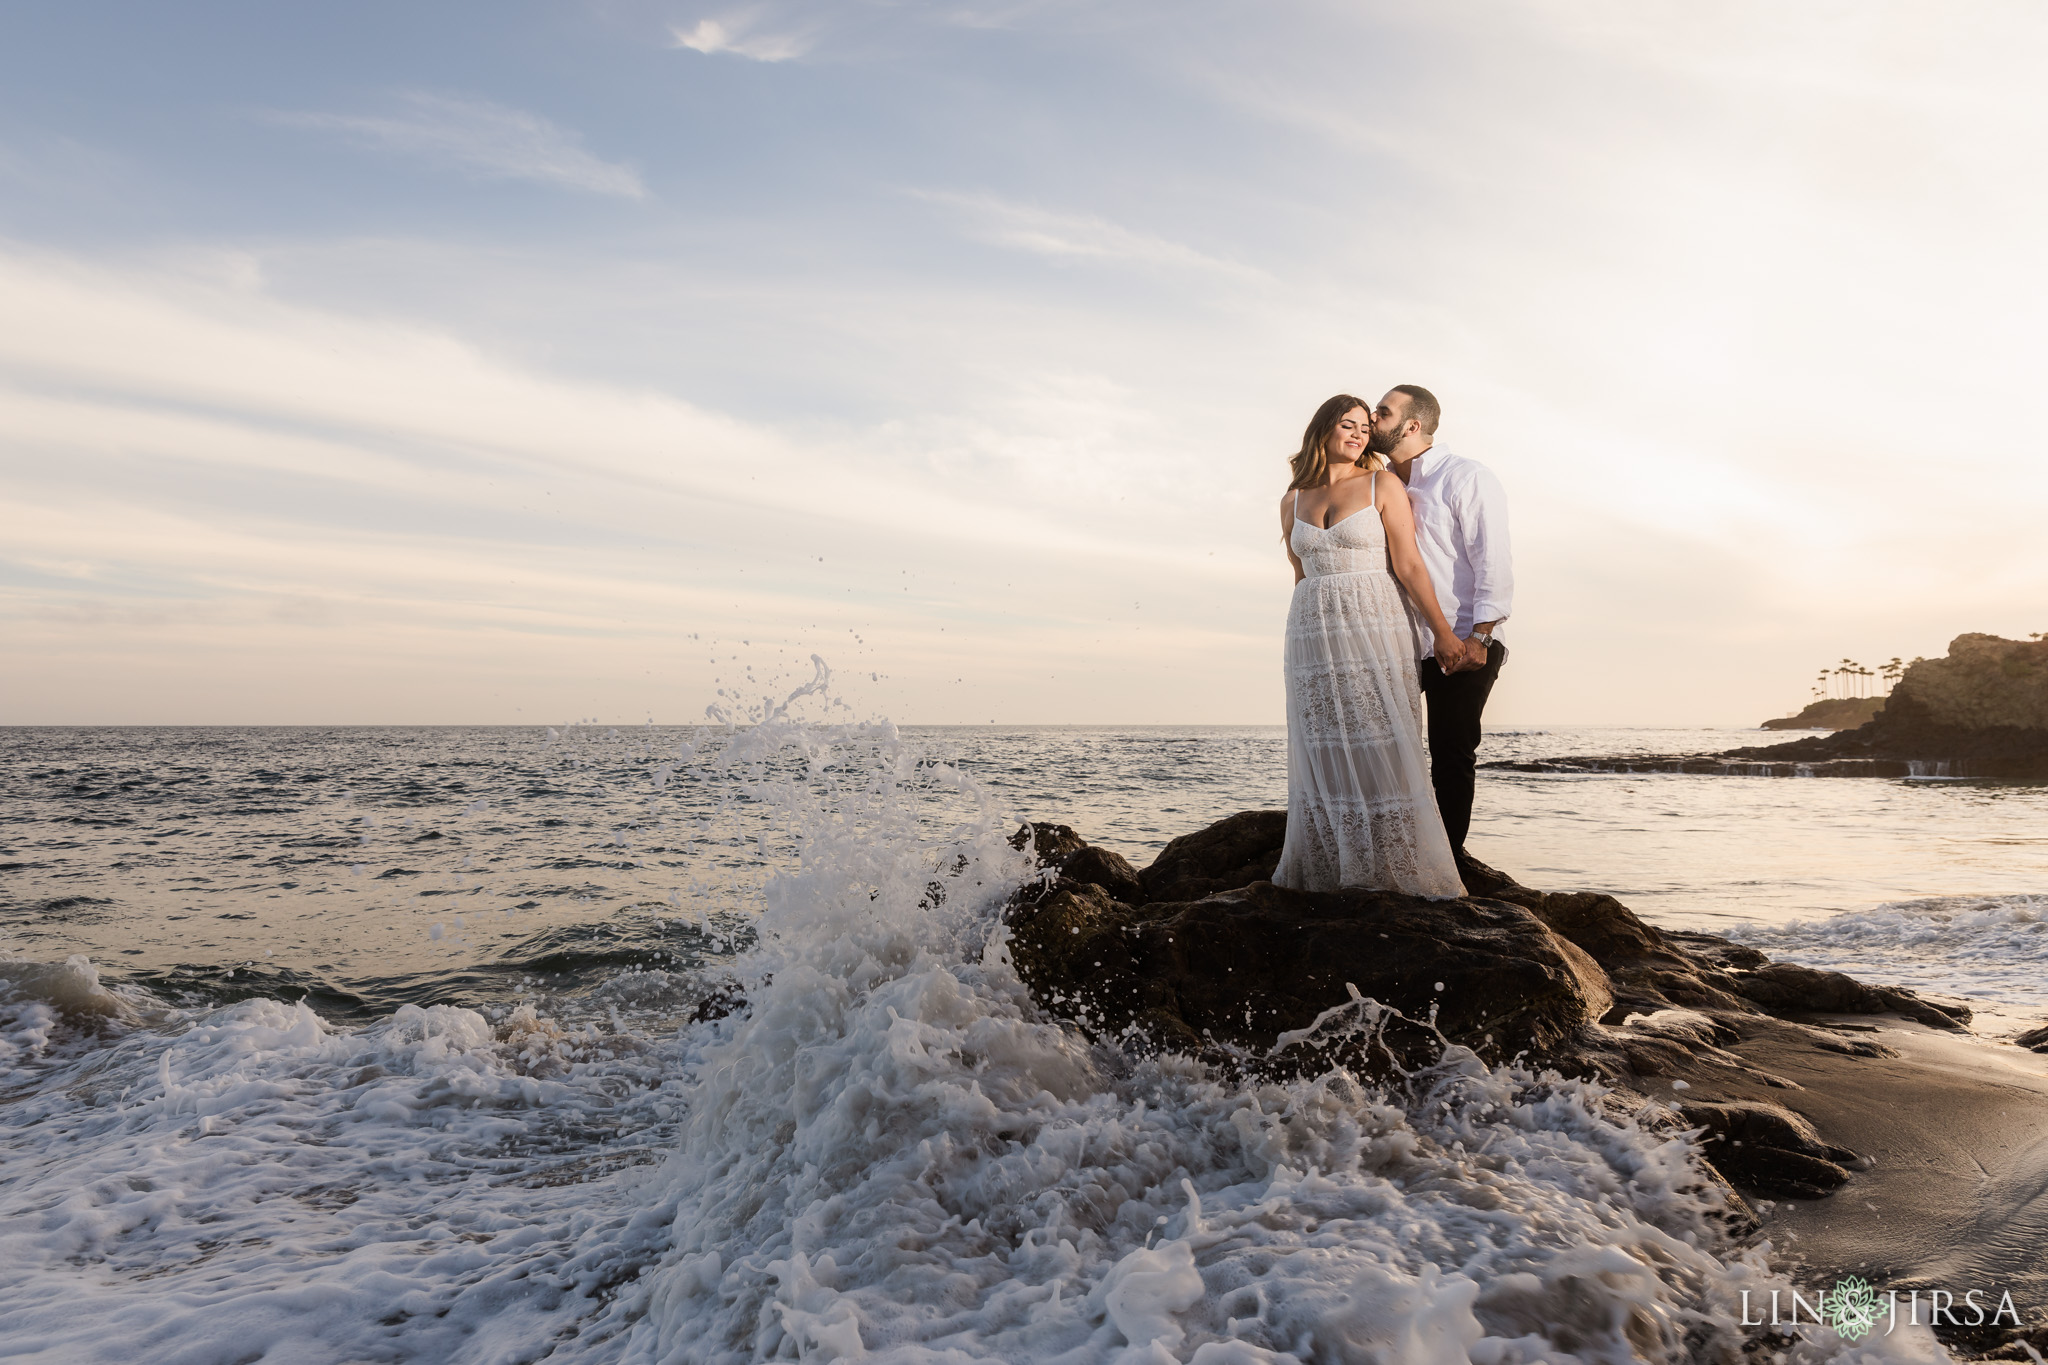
{"x": 1858, "y": 1129}
{"x": 1949, "y": 1188}
{"x": 1721, "y": 765}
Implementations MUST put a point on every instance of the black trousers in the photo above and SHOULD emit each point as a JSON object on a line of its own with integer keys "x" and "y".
{"x": 1455, "y": 703}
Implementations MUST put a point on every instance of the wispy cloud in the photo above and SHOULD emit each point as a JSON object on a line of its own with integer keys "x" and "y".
{"x": 743, "y": 35}
{"x": 482, "y": 138}
{"x": 1655, "y": 257}
{"x": 1044, "y": 232}
{"x": 261, "y": 484}
{"x": 786, "y": 30}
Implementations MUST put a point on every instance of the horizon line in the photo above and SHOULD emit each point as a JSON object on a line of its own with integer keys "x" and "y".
{"x": 1505, "y": 727}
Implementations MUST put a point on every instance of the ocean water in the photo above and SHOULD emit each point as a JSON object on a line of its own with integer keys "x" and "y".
{"x": 384, "y": 1045}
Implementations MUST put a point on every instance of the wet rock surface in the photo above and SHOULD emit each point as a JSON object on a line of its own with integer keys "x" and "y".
{"x": 1535, "y": 966}
{"x": 1912, "y": 1160}
{"x": 1201, "y": 953}
{"x": 1231, "y": 853}
{"x": 1908, "y": 733}
{"x": 1769, "y": 1149}
{"x": 1229, "y": 973}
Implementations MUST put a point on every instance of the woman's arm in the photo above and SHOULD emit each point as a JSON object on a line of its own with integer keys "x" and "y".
{"x": 1287, "y": 532}
{"x": 1399, "y": 519}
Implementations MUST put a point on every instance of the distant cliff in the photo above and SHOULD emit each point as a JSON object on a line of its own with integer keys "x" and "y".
{"x": 1985, "y": 683}
{"x": 1982, "y": 710}
{"x": 1835, "y": 713}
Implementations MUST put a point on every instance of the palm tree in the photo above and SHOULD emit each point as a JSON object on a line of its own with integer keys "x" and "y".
{"x": 1893, "y": 671}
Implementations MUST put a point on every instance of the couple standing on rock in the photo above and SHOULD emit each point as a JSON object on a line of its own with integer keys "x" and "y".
{"x": 1376, "y": 507}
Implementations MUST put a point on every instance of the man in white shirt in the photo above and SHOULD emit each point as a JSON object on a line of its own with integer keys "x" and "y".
{"x": 1461, "y": 527}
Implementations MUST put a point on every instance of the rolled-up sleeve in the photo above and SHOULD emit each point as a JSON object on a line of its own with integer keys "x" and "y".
{"x": 1483, "y": 528}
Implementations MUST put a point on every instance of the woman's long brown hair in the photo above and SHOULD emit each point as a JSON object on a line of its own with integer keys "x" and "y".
{"x": 1312, "y": 462}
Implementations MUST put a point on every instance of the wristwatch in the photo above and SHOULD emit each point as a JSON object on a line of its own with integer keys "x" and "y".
{"x": 1484, "y": 637}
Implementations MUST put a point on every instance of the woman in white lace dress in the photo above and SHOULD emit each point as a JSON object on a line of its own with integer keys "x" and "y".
{"x": 1360, "y": 809}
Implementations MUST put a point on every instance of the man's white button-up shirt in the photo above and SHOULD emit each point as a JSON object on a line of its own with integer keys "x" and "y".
{"x": 1461, "y": 527}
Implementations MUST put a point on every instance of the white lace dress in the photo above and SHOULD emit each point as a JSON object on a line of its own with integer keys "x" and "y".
{"x": 1360, "y": 810}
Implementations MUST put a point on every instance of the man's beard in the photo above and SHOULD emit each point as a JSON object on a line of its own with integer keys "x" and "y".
{"x": 1379, "y": 442}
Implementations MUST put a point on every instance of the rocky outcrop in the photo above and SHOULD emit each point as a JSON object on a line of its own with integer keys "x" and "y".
{"x": 1832, "y": 713}
{"x": 1798, "y": 759}
{"x": 1982, "y": 711}
{"x": 1770, "y": 1149}
{"x": 1200, "y": 953}
{"x": 1985, "y": 683}
{"x": 1654, "y": 969}
{"x": 1232, "y": 972}
{"x": 1233, "y": 852}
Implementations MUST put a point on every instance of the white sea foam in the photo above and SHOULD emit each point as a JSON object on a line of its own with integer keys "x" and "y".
{"x": 251, "y": 1184}
{"x": 1991, "y": 951}
{"x": 890, "y": 1154}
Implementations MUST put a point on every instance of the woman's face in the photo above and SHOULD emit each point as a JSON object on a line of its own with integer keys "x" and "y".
{"x": 1347, "y": 440}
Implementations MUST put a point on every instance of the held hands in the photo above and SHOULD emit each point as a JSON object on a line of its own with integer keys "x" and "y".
{"x": 1454, "y": 655}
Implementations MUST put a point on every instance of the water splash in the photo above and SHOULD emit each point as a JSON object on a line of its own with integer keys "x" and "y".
{"x": 887, "y": 1151}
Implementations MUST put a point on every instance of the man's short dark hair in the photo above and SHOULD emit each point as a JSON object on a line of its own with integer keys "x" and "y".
{"x": 1422, "y": 406}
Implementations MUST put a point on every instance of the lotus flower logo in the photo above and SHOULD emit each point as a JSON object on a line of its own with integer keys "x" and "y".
{"x": 1851, "y": 1307}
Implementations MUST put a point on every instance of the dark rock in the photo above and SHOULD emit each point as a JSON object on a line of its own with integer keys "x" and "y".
{"x": 1228, "y": 974}
{"x": 1201, "y": 953}
{"x": 1646, "y": 969}
{"x": 1980, "y": 711}
{"x": 1051, "y": 844}
{"x": 1788, "y": 988}
{"x": 2027, "y": 1343}
{"x": 1908, "y": 733}
{"x": 2037, "y": 1039}
{"x": 1602, "y": 925}
{"x": 1850, "y": 1047}
{"x": 723, "y": 996}
{"x": 1777, "y": 760}
{"x": 1078, "y": 863}
{"x": 1233, "y": 852}
{"x": 1110, "y": 871}
{"x": 1768, "y": 1149}
{"x": 1720, "y": 952}
{"x": 1831, "y": 713}
{"x": 1656, "y": 968}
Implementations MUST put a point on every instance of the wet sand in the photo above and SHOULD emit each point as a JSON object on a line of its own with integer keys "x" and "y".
{"x": 1954, "y": 1131}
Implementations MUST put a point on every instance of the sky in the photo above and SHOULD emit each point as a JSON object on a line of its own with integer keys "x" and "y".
{"x": 528, "y": 362}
